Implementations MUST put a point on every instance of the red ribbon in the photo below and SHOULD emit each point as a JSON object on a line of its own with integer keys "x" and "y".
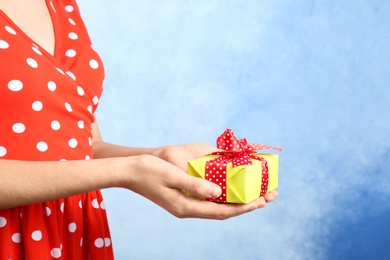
{"x": 239, "y": 152}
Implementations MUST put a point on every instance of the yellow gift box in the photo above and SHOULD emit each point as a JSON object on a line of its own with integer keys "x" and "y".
{"x": 244, "y": 182}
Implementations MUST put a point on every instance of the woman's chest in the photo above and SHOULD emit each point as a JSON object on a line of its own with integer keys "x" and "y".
{"x": 32, "y": 17}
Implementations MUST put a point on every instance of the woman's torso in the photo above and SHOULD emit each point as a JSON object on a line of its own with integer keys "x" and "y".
{"x": 51, "y": 80}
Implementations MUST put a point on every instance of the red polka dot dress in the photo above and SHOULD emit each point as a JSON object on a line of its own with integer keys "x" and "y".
{"x": 47, "y": 105}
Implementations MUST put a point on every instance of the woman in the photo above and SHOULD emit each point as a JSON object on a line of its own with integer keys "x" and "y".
{"x": 53, "y": 161}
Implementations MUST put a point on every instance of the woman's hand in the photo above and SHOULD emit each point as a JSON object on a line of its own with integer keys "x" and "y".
{"x": 180, "y": 155}
{"x": 166, "y": 185}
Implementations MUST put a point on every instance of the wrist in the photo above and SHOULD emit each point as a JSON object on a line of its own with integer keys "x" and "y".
{"x": 127, "y": 171}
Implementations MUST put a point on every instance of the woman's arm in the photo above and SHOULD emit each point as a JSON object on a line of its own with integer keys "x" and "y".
{"x": 178, "y": 155}
{"x": 102, "y": 149}
{"x": 157, "y": 180}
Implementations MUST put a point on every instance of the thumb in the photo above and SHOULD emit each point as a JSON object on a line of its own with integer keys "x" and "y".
{"x": 201, "y": 187}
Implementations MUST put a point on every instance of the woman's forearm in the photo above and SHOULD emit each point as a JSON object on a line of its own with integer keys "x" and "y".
{"x": 27, "y": 182}
{"x": 107, "y": 150}
{"x": 103, "y": 149}
{"x": 23, "y": 182}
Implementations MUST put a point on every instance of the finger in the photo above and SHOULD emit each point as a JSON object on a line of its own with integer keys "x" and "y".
{"x": 259, "y": 203}
{"x": 197, "y": 186}
{"x": 275, "y": 193}
{"x": 271, "y": 196}
{"x": 200, "y": 149}
{"x": 195, "y": 208}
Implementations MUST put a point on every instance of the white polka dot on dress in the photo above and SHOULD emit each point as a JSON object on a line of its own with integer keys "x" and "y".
{"x": 80, "y": 91}
{"x": 10, "y": 30}
{"x": 56, "y": 252}
{"x": 73, "y": 143}
{"x": 55, "y": 125}
{"x": 3, "y": 222}
{"x": 47, "y": 211}
{"x": 15, "y": 85}
{"x": 37, "y": 106}
{"x": 3, "y": 44}
{"x": 16, "y": 238}
{"x": 69, "y": 8}
{"x": 32, "y": 63}
{"x": 72, "y": 227}
{"x": 107, "y": 242}
{"x": 73, "y": 36}
{"x": 36, "y": 50}
{"x": 52, "y": 85}
{"x": 71, "y": 21}
{"x": 70, "y": 53}
{"x": 95, "y": 203}
{"x": 18, "y": 128}
{"x": 3, "y": 151}
{"x": 80, "y": 124}
{"x": 95, "y": 100}
{"x": 93, "y": 64}
{"x": 70, "y": 74}
{"x": 42, "y": 146}
{"x": 36, "y": 235}
{"x": 68, "y": 107}
{"x": 99, "y": 242}
{"x": 60, "y": 71}
{"x": 52, "y": 6}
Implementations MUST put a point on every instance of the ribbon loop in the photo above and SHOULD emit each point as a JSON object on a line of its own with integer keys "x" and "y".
{"x": 238, "y": 151}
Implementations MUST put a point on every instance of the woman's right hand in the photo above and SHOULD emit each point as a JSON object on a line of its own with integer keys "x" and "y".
{"x": 166, "y": 185}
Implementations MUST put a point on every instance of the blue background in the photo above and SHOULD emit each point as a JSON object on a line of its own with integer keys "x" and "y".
{"x": 309, "y": 76}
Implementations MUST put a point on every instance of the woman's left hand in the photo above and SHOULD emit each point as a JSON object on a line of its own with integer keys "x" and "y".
{"x": 180, "y": 155}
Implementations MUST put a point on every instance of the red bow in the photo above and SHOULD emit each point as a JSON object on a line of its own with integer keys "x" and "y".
{"x": 239, "y": 152}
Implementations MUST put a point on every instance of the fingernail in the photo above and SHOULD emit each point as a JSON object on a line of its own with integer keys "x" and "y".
{"x": 215, "y": 192}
